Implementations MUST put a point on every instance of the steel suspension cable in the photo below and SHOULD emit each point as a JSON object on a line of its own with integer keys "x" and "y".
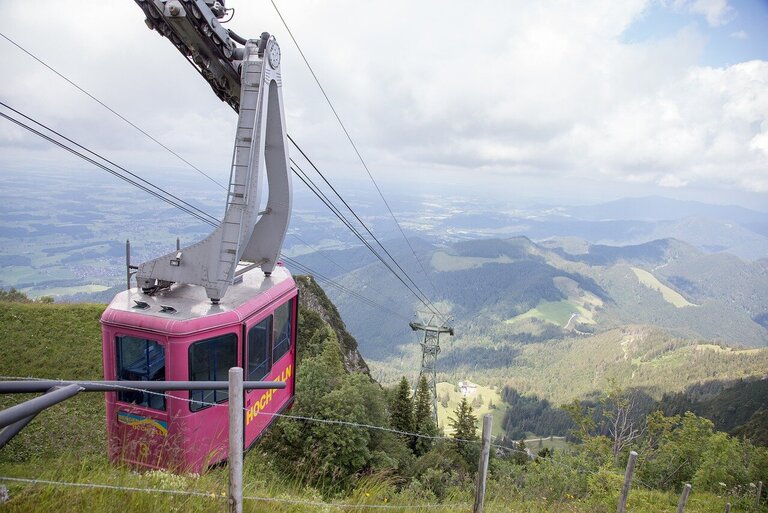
{"x": 318, "y": 251}
{"x": 173, "y": 200}
{"x": 307, "y": 181}
{"x": 106, "y": 168}
{"x": 342, "y": 288}
{"x": 351, "y": 141}
{"x": 432, "y": 308}
{"x": 200, "y": 214}
{"x": 110, "y": 109}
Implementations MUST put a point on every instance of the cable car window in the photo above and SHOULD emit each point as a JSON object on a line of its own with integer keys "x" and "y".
{"x": 210, "y": 360}
{"x": 259, "y": 362}
{"x": 139, "y": 359}
{"x": 282, "y": 330}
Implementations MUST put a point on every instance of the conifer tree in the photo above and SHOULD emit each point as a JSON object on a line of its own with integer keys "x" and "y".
{"x": 465, "y": 429}
{"x": 401, "y": 409}
{"x": 465, "y": 424}
{"x": 520, "y": 456}
{"x": 424, "y": 423}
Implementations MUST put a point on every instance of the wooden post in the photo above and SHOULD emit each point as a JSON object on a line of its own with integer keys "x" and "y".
{"x": 236, "y": 440}
{"x": 727, "y": 507}
{"x": 622, "y": 507}
{"x": 759, "y": 493}
{"x": 683, "y": 498}
{"x": 482, "y": 466}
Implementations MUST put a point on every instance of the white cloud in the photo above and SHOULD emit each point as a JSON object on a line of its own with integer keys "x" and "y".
{"x": 739, "y": 34}
{"x": 509, "y": 88}
{"x": 672, "y": 181}
{"x": 716, "y": 12}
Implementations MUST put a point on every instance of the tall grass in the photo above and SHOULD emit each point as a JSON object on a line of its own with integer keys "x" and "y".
{"x": 264, "y": 479}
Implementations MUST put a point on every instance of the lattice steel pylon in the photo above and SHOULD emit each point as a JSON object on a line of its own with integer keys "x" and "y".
{"x": 430, "y": 348}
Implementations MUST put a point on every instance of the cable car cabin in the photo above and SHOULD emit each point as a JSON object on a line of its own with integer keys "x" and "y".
{"x": 178, "y": 334}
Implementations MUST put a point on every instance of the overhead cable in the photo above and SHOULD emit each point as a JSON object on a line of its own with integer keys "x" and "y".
{"x": 110, "y": 109}
{"x": 431, "y": 306}
{"x": 313, "y": 187}
{"x": 340, "y": 287}
{"x": 349, "y": 138}
{"x": 164, "y": 195}
{"x": 139, "y": 182}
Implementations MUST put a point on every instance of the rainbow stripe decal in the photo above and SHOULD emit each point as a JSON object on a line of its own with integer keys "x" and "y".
{"x": 144, "y": 423}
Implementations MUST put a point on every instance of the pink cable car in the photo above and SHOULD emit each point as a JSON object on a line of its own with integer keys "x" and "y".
{"x": 221, "y": 302}
{"x": 180, "y": 336}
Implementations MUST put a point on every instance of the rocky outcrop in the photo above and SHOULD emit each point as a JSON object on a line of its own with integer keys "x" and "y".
{"x": 312, "y": 297}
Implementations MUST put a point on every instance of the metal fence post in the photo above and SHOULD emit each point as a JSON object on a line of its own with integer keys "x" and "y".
{"x": 684, "y": 498}
{"x": 482, "y": 467}
{"x": 236, "y": 440}
{"x": 759, "y": 494}
{"x": 622, "y": 507}
{"x": 727, "y": 507}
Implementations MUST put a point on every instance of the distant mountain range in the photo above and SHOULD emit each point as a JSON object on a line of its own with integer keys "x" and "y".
{"x": 517, "y": 290}
{"x": 712, "y": 228}
{"x": 656, "y": 208}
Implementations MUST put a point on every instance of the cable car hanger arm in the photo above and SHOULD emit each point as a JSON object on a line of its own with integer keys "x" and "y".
{"x": 248, "y": 78}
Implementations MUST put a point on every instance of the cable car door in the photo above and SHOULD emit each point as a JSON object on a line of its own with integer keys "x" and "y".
{"x": 269, "y": 355}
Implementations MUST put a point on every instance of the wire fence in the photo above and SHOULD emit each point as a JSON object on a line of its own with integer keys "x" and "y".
{"x": 351, "y": 424}
{"x": 223, "y": 497}
{"x": 563, "y": 494}
{"x": 338, "y": 422}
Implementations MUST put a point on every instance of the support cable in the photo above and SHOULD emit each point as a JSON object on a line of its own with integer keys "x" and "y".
{"x": 313, "y": 187}
{"x": 342, "y": 288}
{"x": 175, "y": 201}
{"x": 318, "y": 251}
{"x": 110, "y": 109}
{"x": 149, "y": 187}
{"x": 311, "y": 163}
{"x": 349, "y": 138}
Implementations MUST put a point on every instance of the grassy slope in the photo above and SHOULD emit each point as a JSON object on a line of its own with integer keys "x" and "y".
{"x": 555, "y": 312}
{"x": 260, "y": 481}
{"x": 670, "y": 296}
{"x": 60, "y": 342}
{"x": 488, "y": 394}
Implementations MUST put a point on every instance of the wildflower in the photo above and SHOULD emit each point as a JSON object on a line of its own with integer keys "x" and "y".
{"x": 721, "y": 484}
{"x": 367, "y": 494}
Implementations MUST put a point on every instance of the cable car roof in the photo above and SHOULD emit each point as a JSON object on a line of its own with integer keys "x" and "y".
{"x": 183, "y": 309}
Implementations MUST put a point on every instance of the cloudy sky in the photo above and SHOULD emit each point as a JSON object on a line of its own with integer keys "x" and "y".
{"x": 583, "y": 100}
